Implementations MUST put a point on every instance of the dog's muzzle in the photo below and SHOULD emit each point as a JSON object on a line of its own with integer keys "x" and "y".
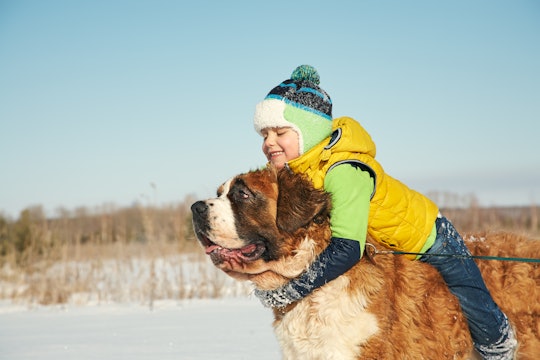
{"x": 218, "y": 253}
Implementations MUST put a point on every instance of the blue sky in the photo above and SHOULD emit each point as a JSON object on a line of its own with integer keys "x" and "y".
{"x": 116, "y": 102}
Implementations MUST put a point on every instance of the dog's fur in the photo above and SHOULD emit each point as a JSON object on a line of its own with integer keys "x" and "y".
{"x": 267, "y": 226}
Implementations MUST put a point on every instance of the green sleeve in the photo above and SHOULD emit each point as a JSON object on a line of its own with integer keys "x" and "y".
{"x": 351, "y": 189}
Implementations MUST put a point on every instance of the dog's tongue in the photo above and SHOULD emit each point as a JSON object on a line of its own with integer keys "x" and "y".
{"x": 219, "y": 254}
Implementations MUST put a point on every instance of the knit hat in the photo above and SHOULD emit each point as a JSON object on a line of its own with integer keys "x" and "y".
{"x": 298, "y": 103}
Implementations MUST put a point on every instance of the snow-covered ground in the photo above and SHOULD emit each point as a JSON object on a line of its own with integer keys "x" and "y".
{"x": 231, "y": 328}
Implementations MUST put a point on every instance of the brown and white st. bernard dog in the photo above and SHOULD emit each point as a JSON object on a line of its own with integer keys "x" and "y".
{"x": 266, "y": 226}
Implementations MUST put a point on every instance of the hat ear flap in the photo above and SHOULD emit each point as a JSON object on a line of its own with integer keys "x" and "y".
{"x": 299, "y": 203}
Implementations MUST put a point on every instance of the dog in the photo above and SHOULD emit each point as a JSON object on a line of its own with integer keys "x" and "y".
{"x": 266, "y": 226}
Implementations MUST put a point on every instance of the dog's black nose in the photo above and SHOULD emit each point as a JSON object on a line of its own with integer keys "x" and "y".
{"x": 199, "y": 208}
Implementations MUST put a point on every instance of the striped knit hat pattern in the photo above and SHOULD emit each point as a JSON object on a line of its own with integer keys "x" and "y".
{"x": 298, "y": 103}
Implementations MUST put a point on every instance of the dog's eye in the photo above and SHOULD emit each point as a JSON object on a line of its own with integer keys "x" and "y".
{"x": 242, "y": 194}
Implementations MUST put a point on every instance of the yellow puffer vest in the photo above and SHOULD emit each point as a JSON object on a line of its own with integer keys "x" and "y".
{"x": 399, "y": 217}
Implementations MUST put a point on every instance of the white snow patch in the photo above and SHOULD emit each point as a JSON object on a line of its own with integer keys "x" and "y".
{"x": 233, "y": 328}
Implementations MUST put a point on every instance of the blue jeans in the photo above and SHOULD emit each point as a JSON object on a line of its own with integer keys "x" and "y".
{"x": 487, "y": 323}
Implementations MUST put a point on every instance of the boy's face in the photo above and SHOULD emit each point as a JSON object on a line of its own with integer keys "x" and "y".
{"x": 280, "y": 145}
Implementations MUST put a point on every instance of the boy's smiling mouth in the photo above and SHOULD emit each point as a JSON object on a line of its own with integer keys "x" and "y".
{"x": 274, "y": 154}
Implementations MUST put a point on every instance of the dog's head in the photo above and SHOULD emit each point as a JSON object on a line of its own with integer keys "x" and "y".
{"x": 259, "y": 220}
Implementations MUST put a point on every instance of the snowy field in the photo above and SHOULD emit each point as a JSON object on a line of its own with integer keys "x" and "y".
{"x": 171, "y": 307}
{"x": 233, "y": 328}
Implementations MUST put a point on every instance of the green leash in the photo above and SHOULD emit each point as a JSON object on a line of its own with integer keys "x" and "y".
{"x": 459, "y": 256}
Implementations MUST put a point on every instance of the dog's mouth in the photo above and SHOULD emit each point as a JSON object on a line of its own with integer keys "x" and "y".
{"x": 220, "y": 254}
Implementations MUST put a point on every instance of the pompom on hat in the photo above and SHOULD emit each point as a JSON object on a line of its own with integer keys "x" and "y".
{"x": 298, "y": 103}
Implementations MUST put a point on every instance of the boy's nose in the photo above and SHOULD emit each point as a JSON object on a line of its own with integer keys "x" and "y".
{"x": 270, "y": 139}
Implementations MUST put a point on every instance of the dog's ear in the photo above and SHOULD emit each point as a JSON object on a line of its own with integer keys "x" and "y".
{"x": 299, "y": 203}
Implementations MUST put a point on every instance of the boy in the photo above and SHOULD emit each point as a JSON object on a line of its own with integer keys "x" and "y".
{"x": 338, "y": 155}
